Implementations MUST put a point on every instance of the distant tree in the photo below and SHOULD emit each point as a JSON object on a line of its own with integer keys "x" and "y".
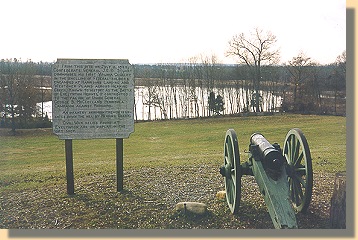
{"x": 339, "y": 77}
{"x": 219, "y": 102}
{"x": 300, "y": 73}
{"x": 255, "y": 50}
{"x": 340, "y": 70}
{"x": 10, "y": 89}
{"x": 19, "y": 95}
{"x": 210, "y": 69}
{"x": 3, "y": 100}
{"x": 28, "y": 94}
{"x": 273, "y": 87}
{"x": 216, "y": 104}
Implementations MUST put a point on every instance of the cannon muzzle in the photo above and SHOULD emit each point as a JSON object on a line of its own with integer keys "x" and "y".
{"x": 270, "y": 156}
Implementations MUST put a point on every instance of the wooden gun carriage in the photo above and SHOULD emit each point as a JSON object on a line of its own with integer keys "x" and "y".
{"x": 284, "y": 176}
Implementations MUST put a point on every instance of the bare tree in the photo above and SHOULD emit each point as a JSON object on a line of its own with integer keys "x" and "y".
{"x": 211, "y": 75}
{"x": 298, "y": 68}
{"x": 10, "y": 85}
{"x": 339, "y": 77}
{"x": 255, "y": 50}
{"x": 19, "y": 95}
{"x": 341, "y": 64}
{"x": 28, "y": 94}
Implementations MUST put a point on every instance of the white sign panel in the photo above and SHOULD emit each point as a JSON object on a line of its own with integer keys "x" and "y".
{"x": 92, "y": 98}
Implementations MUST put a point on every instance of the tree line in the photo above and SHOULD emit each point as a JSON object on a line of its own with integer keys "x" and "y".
{"x": 21, "y": 88}
{"x": 304, "y": 85}
{"x": 191, "y": 89}
{"x": 202, "y": 86}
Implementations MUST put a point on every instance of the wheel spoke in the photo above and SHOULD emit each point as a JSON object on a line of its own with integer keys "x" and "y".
{"x": 300, "y": 181}
{"x": 299, "y": 189}
{"x": 229, "y": 190}
{"x": 288, "y": 151}
{"x": 233, "y": 177}
{"x": 293, "y": 147}
{"x": 229, "y": 151}
{"x": 301, "y": 170}
{"x": 231, "y": 186}
{"x": 296, "y": 199}
{"x": 226, "y": 153}
{"x": 290, "y": 182}
{"x": 297, "y": 193}
{"x": 296, "y": 151}
{"x": 232, "y": 191}
{"x": 299, "y": 159}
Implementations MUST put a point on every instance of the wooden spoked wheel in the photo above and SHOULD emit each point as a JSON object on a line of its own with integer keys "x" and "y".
{"x": 299, "y": 169}
{"x": 231, "y": 171}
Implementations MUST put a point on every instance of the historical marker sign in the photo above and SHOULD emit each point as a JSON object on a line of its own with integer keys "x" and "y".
{"x": 92, "y": 98}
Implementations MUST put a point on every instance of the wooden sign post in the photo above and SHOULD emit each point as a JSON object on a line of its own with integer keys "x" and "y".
{"x": 92, "y": 98}
{"x": 119, "y": 163}
{"x": 69, "y": 167}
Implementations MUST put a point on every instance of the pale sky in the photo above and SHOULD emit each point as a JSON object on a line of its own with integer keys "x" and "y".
{"x": 166, "y": 31}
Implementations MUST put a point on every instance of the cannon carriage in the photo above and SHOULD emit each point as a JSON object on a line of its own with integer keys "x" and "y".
{"x": 284, "y": 176}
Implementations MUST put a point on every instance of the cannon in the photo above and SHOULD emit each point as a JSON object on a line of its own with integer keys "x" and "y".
{"x": 284, "y": 176}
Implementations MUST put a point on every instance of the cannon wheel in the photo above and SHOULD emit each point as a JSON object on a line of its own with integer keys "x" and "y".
{"x": 299, "y": 169}
{"x": 232, "y": 171}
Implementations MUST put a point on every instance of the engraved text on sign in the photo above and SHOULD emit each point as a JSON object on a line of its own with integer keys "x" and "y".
{"x": 92, "y": 98}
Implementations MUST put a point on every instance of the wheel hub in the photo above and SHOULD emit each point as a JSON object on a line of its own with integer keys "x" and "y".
{"x": 225, "y": 170}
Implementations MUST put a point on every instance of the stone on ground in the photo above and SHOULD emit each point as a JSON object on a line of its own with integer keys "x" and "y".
{"x": 193, "y": 207}
{"x": 221, "y": 195}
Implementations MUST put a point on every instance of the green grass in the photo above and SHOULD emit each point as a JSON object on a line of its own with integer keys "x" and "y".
{"x": 168, "y": 143}
{"x": 31, "y": 161}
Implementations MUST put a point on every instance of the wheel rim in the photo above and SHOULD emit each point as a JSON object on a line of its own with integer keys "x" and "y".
{"x": 232, "y": 171}
{"x": 300, "y": 175}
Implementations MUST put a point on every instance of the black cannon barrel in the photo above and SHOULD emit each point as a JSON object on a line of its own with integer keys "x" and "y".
{"x": 271, "y": 157}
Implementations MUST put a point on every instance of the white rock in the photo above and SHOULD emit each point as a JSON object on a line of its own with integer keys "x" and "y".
{"x": 193, "y": 207}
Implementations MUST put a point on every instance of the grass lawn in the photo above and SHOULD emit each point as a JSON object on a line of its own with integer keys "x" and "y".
{"x": 35, "y": 159}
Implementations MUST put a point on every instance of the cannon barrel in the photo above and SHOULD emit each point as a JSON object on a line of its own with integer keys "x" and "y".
{"x": 271, "y": 157}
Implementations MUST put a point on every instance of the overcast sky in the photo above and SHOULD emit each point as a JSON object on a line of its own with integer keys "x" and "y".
{"x": 163, "y": 31}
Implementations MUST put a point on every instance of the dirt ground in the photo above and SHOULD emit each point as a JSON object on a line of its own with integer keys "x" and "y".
{"x": 148, "y": 201}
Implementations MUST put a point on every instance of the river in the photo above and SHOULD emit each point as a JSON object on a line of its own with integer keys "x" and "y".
{"x": 166, "y": 102}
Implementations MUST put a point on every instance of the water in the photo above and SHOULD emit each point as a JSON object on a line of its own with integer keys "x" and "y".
{"x": 170, "y": 102}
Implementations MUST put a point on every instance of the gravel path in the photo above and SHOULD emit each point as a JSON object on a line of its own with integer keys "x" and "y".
{"x": 148, "y": 201}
